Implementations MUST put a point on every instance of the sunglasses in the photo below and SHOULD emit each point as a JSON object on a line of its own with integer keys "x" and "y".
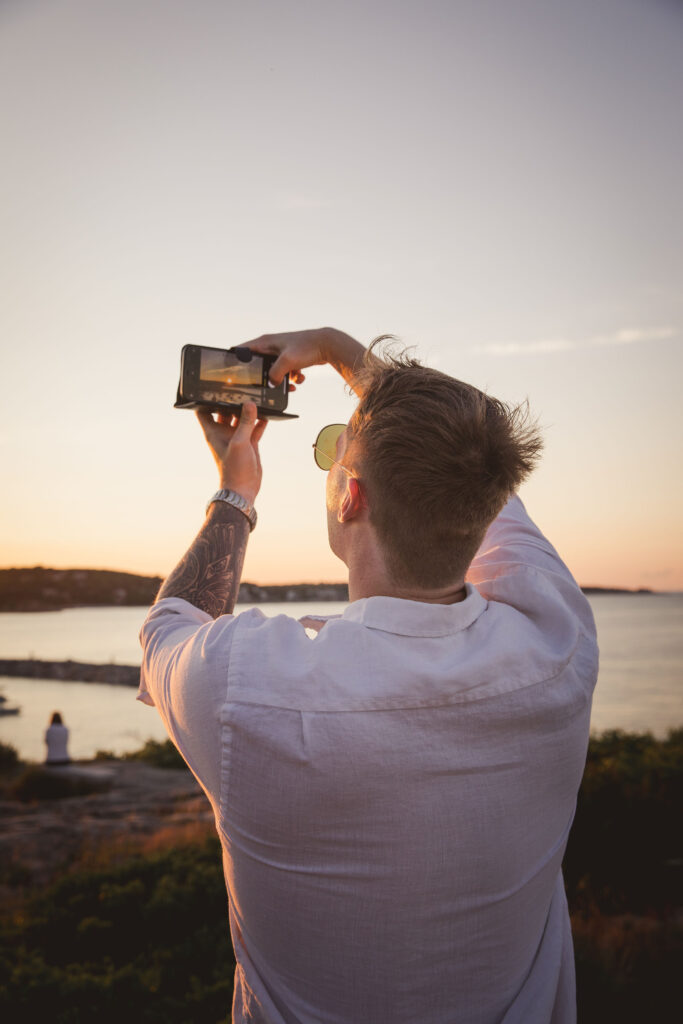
{"x": 325, "y": 447}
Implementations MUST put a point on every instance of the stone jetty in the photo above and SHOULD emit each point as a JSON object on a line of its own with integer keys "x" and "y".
{"x": 71, "y": 671}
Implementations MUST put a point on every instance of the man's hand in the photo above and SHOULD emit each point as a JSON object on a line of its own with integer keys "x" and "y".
{"x": 234, "y": 446}
{"x": 295, "y": 350}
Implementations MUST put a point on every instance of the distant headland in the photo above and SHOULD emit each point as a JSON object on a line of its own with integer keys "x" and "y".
{"x": 39, "y": 589}
{"x": 616, "y": 590}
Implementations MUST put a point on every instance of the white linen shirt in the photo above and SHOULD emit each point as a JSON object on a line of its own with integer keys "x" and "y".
{"x": 393, "y": 796}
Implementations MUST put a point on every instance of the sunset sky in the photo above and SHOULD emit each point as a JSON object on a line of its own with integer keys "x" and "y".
{"x": 497, "y": 182}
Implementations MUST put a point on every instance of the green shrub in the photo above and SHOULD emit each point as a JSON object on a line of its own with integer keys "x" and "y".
{"x": 160, "y": 755}
{"x": 9, "y": 758}
{"x": 625, "y": 850}
{"x": 149, "y": 936}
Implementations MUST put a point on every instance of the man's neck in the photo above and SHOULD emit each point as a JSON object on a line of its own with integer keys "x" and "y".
{"x": 449, "y": 595}
{"x": 371, "y": 581}
{"x": 368, "y": 575}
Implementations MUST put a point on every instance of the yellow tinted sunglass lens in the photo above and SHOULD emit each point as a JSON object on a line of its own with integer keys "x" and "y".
{"x": 325, "y": 450}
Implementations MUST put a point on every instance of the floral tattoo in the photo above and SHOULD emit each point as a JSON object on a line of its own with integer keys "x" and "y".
{"x": 208, "y": 575}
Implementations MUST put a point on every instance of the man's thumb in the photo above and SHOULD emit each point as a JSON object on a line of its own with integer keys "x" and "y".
{"x": 246, "y": 423}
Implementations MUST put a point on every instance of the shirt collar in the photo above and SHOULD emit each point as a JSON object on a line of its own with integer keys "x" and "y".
{"x": 416, "y": 618}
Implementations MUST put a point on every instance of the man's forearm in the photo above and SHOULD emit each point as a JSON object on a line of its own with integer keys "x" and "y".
{"x": 208, "y": 575}
{"x": 343, "y": 353}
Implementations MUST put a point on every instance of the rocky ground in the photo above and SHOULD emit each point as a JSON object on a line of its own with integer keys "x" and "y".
{"x": 138, "y": 807}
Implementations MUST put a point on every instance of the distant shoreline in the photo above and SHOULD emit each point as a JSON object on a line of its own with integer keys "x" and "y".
{"x": 41, "y": 590}
{"x": 639, "y": 591}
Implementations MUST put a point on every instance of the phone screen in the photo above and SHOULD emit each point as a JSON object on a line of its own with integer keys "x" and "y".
{"x": 226, "y": 368}
{"x": 227, "y": 378}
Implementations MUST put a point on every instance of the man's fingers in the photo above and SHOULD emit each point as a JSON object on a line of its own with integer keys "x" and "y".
{"x": 258, "y": 431}
{"x": 282, "y": 365}
{"x": 228, "y": 419}
{"x": 278, "y": 370}
{"x": 279, "y": 345}
{"x": 246, "y": 423}
{"x": 261, "y": 345}
{"x": 213, "y": 427}
{"x": 238, "y": 428}
{"x": 206, "y": 421}
{"x": 228, "y": 429}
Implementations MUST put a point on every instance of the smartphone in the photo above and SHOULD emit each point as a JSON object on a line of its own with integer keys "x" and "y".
{"x": 224, "y": 379}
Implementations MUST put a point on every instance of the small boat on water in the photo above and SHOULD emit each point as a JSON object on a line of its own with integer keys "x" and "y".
{"x": 5, "y": 710}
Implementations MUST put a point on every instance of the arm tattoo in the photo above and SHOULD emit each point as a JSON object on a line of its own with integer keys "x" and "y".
{"x": 208, "y": 575}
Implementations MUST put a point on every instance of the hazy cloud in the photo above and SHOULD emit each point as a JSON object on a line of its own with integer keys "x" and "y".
{"x": 512, "y": 348}
{"x": 625, "y": 336}
{"x": 305, "y": 203}
{"x": 630, "y": 335}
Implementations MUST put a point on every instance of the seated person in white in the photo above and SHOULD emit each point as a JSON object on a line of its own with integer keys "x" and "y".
{"x": 56, "y": 740}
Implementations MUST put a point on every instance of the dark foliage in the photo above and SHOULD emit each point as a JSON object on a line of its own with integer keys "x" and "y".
{"x": 9, "y": 758}
{"x": 625, "y": 851}
{"x": 623, "y": 869}
{"x": 148, "y": 939}
{"x": 627, "y": 968}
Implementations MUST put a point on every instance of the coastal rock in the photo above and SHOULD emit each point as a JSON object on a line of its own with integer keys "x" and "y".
{"x": 40, "y": 840}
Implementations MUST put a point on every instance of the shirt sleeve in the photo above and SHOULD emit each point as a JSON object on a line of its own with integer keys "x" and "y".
{"x": 184, "y": 674}
{"x": 513, "y": 552}
{"x": 511, "y": 540}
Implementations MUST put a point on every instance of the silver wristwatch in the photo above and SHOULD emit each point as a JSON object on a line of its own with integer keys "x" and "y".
{"x": 237, "y": 501}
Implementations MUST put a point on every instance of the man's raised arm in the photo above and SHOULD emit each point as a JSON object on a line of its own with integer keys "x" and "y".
{"x": 295, "y": 350}
{"x": 208, "y": 575}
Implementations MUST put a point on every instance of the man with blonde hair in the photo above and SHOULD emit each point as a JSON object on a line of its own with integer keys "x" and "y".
{"x": 394, "y": 794}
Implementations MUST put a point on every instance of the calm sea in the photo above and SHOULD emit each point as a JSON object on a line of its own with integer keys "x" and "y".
{"x": 640, "y": 685}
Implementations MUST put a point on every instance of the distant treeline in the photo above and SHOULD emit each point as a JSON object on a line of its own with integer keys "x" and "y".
{"x": 39, "y": 589}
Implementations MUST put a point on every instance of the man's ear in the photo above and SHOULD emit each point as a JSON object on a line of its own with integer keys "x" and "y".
{"x": 354, "y": 501}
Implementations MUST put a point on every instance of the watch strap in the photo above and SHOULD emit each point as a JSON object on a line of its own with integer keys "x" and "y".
{"x": 237, "y": 501}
